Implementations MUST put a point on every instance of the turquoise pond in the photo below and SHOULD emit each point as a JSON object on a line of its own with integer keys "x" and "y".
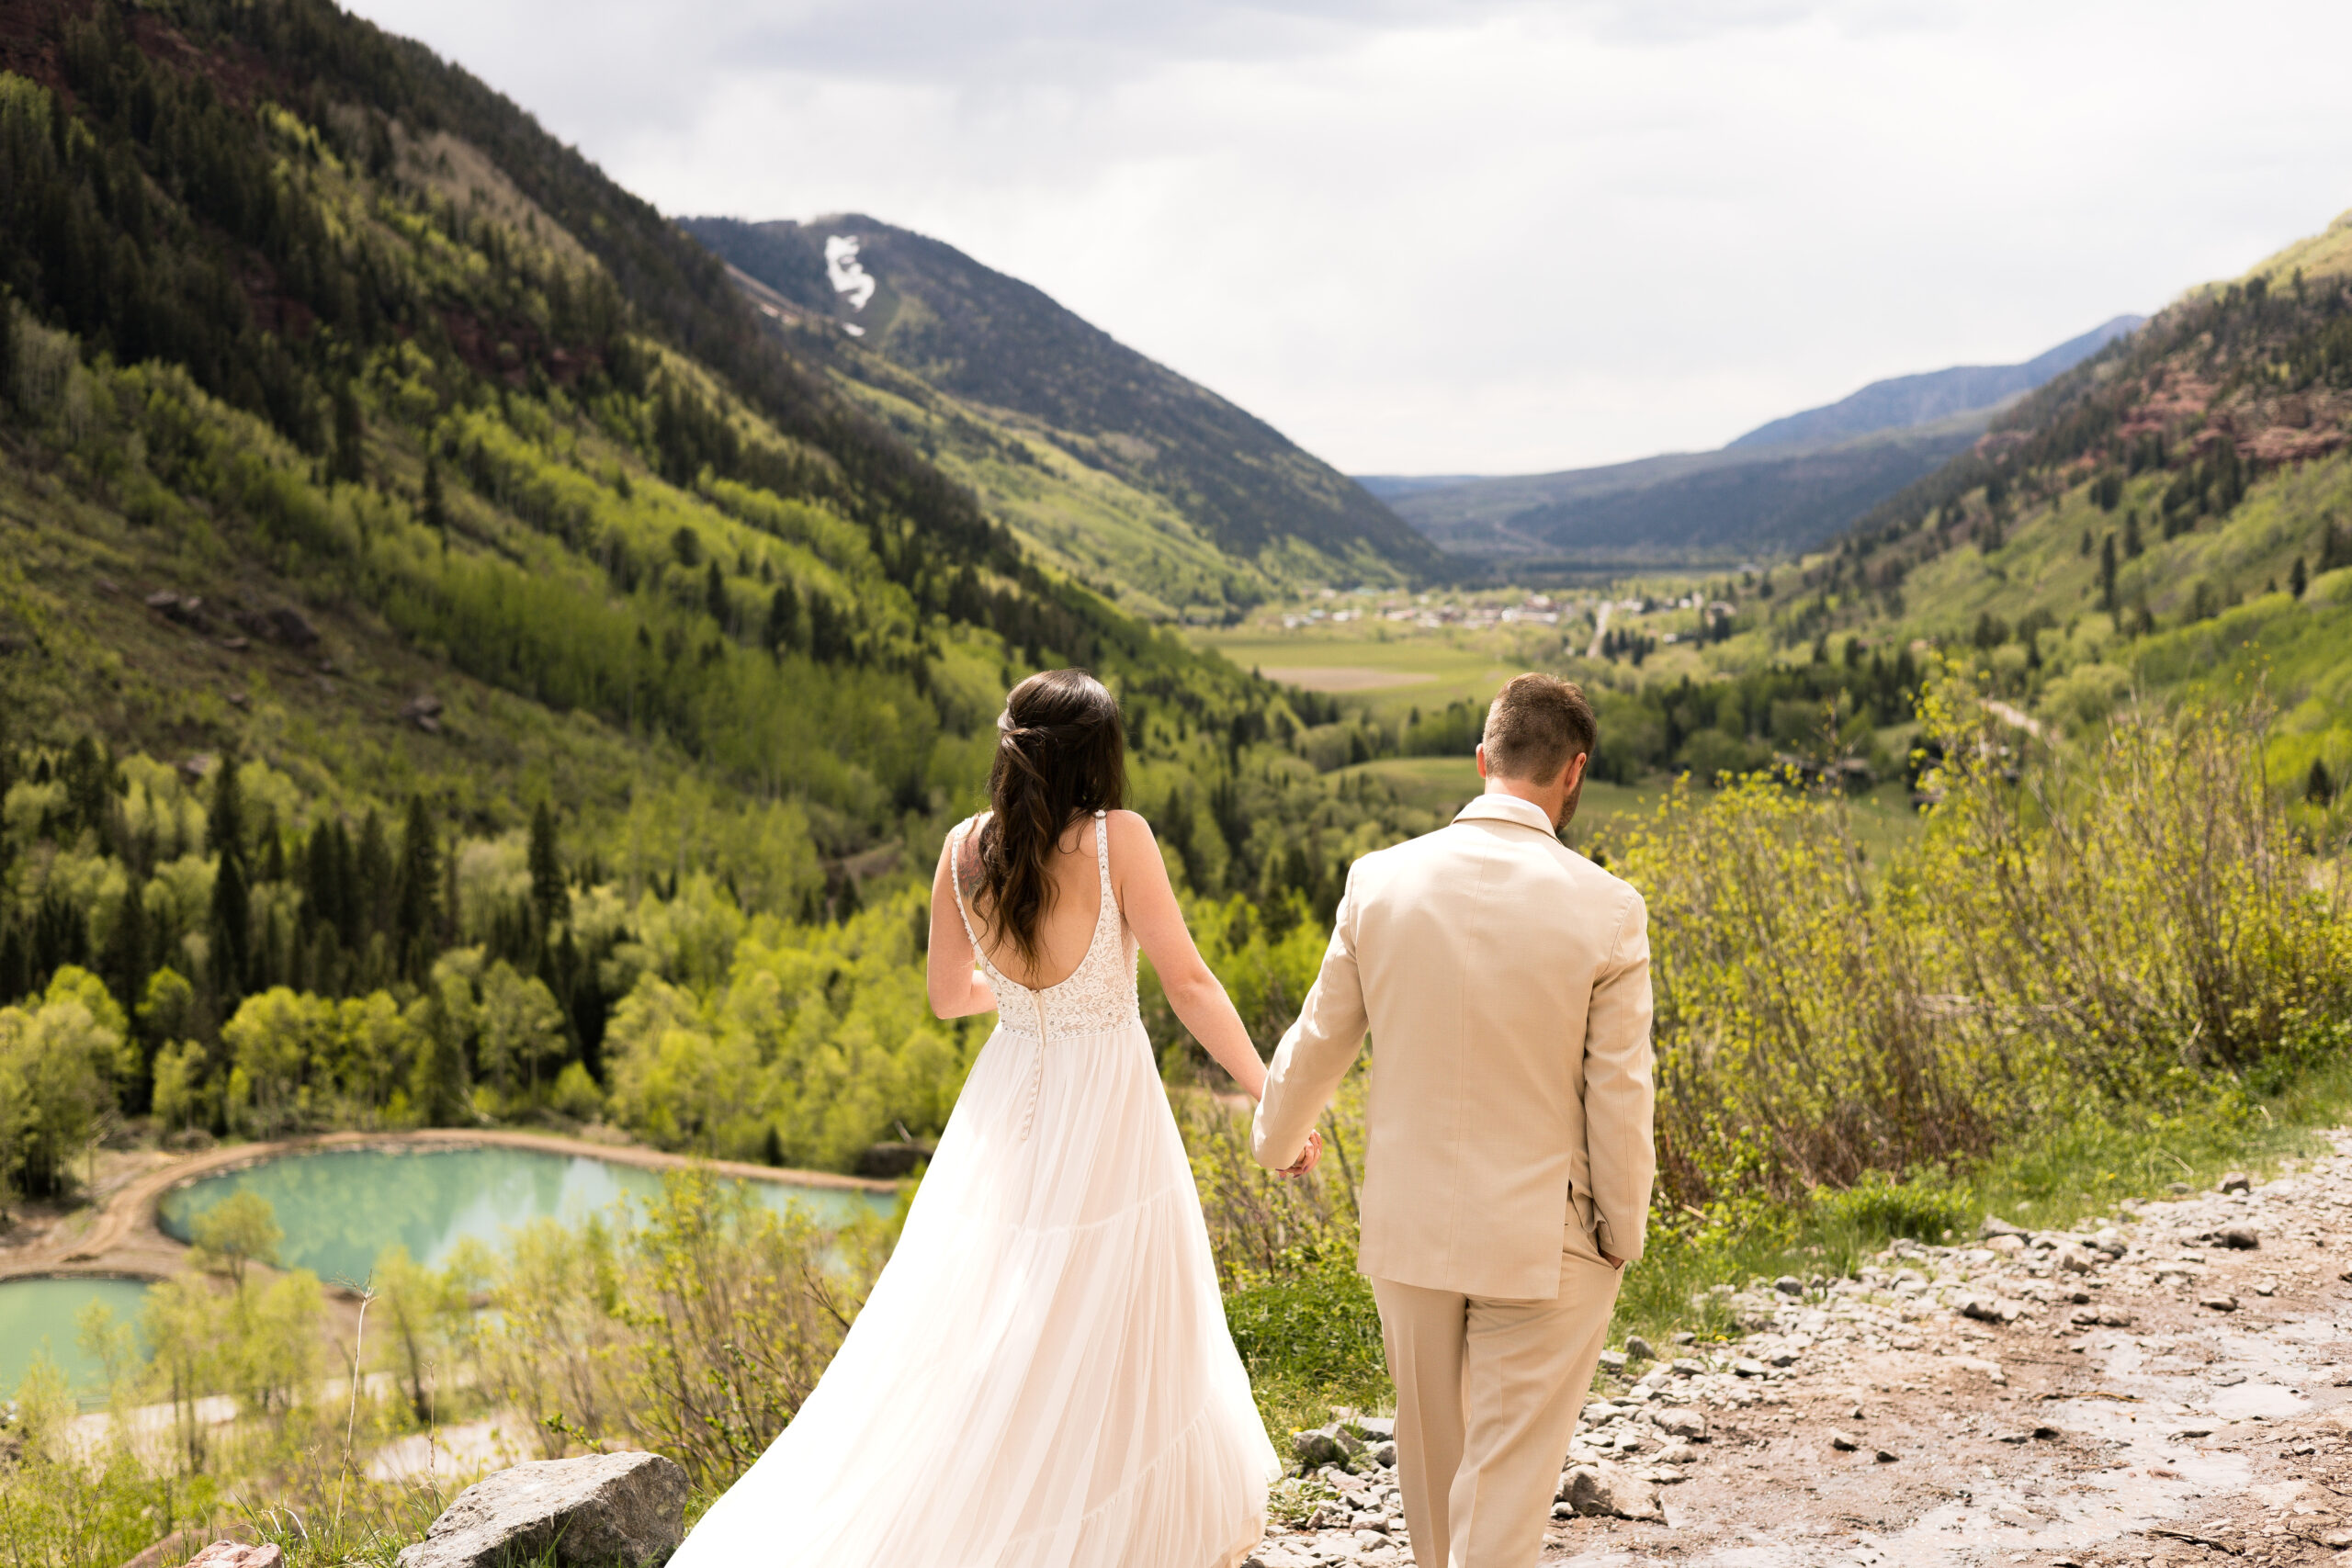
{"x": 38, "y": 1313}
{"x": 341, "y": 1208}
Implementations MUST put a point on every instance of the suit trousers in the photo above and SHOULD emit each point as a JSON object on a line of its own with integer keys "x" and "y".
{"x": 1488, "y": 1394}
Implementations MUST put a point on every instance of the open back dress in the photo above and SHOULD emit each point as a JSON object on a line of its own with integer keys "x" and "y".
{"x": 1042, "y": 1377}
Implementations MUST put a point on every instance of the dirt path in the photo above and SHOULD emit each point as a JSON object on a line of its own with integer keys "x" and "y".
{"x": 120, "y": 1236}
{"x": 2155, "y": 1393}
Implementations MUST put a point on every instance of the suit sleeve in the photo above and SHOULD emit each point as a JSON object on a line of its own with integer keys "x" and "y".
{"x": 1316, "y": 1053}
{"x": 1619, "y": 1094}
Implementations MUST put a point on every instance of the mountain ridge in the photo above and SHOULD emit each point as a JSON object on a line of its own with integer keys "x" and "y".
{"x": 1904, "y": 401}
{"x": 1011, "y": 353}
{"x": 1783, "y": 487}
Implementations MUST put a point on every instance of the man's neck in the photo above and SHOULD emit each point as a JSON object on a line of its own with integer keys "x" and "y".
{"x": 1546, "y": 800}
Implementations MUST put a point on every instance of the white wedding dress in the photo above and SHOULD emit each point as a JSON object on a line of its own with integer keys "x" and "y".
{"x": 1042, "y": 1377}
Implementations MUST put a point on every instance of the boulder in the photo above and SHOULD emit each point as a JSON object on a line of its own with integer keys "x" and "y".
{"x": 1681, "y": 1421}
{"x": 894, "y": 1160}
{"x": 1326, "y": 1445}
{"x": 625, "y": 1510}
{"x": 292, "y": 627}
{"x": 1600, "y": 1488}
{"x": 2237, "y": 1181}
{"x": 1638, "y": 1346}
{"x": 1993, "y": 1226}
{"x": 235, "y": 1554}
{"x": 2243, "y": 1238}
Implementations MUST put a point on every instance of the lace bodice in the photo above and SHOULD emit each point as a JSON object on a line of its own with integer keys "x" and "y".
{"x": 1099, "y": 994}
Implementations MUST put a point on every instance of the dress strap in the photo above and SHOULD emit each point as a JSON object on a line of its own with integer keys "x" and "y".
{"x": 956, "y": 879}
{"x": 1102, "y": 854}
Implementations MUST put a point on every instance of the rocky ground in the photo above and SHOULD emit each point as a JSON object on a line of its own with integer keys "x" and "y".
{"x": 2172, "y": 1385}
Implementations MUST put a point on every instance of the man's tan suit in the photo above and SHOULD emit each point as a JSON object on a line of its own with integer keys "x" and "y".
{"x": 1505, "y": 981}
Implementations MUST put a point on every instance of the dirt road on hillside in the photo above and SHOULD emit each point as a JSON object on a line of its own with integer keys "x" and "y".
{"x": 2174, "y": 1387}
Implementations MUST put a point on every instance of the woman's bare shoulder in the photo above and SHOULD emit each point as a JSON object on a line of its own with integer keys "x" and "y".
{"x": 1128, "y": 826}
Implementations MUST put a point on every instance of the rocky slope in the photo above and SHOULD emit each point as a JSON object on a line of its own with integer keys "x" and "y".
{"x": 2172, "y": 1386}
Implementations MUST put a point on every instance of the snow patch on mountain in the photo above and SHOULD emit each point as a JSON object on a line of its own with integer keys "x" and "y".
{"x": 848, "y": 277}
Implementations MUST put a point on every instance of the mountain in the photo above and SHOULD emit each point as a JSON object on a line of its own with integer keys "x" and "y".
{"x": 895, "y": 314}
{"x": 2170, "y": 515}
{"x": 1904, "y": 402}
{"x": 1783, "y": 487}
{"x": 352, "y": 426}
{"x": 1684, "y": 509}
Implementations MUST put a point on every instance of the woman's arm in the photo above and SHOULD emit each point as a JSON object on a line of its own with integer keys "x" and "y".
{"x": 958, "y": 987}
{"x": 1149, "y": 904}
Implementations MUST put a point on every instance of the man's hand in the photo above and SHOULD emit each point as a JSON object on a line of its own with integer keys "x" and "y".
{"x": 1614, "y": 1261}
{"x": 1307, "y": 1160}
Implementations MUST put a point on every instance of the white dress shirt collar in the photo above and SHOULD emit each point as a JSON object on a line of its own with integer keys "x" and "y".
{"x": 1507, "y": 808}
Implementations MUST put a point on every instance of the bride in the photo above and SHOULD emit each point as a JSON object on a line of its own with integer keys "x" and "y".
{"x": 1042, "y": 1377}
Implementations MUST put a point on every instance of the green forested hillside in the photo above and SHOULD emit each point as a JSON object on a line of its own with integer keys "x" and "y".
{"x": 454, "y": 663}
{"x": 1092, "y": 448}
{"x": 2174, "y": 514}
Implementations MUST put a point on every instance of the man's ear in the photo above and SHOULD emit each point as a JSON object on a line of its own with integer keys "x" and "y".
{"x": 1482, "y": 758}
{"x": 1576, "y": 768}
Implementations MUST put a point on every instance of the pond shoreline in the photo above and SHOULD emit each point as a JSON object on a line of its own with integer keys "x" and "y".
{"x": 124, "y": 1240}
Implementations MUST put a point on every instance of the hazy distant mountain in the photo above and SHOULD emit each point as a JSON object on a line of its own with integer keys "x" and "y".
{"x": 1008, "y": 348}
{"x": 1901, "y": 401}
{"x": 1782, "y": 486}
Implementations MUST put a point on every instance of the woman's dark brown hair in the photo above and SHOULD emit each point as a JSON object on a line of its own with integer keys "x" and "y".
{"x": 1060, "y": 753}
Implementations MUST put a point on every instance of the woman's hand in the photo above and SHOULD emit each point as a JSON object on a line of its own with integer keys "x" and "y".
{"x": 1307, "y": 1160}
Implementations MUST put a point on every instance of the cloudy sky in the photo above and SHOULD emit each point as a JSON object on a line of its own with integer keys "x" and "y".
{"x": 1481, "y": 236}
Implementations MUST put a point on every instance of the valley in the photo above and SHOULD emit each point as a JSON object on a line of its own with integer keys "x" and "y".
{"x": 486, "y": 664}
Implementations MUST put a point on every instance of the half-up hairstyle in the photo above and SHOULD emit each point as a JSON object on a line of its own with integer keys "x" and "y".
{"x": 1060, "y": 754}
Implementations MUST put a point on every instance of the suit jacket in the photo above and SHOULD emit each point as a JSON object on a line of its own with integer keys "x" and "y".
{"x": 1506, "y": 981}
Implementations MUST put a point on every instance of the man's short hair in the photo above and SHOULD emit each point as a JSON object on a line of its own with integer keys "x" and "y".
{"x": 1536, "y": 725}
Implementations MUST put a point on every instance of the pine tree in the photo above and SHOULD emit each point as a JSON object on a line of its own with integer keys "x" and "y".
{"x": 374, "y": 879}
{"x": 2132, "y": 546}
{"x": 7, "y": 348}
{"x": 2318, "y": 787}
{"x": 549, "y": 891}
{"x": 2298, "y": 578}
{"x": 127, "y": 957}
{"x": 272, "y": 847}
{"x": 323, "y": 883}
{"x": 2107, "y": 574}
{"x": 714, "y": 596}
{"x": 782, "y": 633}
{"x": 224, "y": 824}
{"x": 416, "y": 914}
{"x": 437, "y": 503}
{"x": 350, "y": 459}
{"x": 233, "y": 925}
{"x": 224, "y": 832}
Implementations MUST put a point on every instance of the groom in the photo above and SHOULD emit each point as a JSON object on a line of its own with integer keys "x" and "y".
{"x": 1505, "y": 981}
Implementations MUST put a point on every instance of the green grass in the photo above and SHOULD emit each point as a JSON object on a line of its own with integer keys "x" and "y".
{"x": 1433, "y": 668}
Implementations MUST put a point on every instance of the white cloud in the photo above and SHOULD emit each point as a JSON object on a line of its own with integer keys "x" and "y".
{"x": 1495, "y": 237}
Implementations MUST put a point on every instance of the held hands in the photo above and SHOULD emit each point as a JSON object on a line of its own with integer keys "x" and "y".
{"x": 1307, "y": 1159}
